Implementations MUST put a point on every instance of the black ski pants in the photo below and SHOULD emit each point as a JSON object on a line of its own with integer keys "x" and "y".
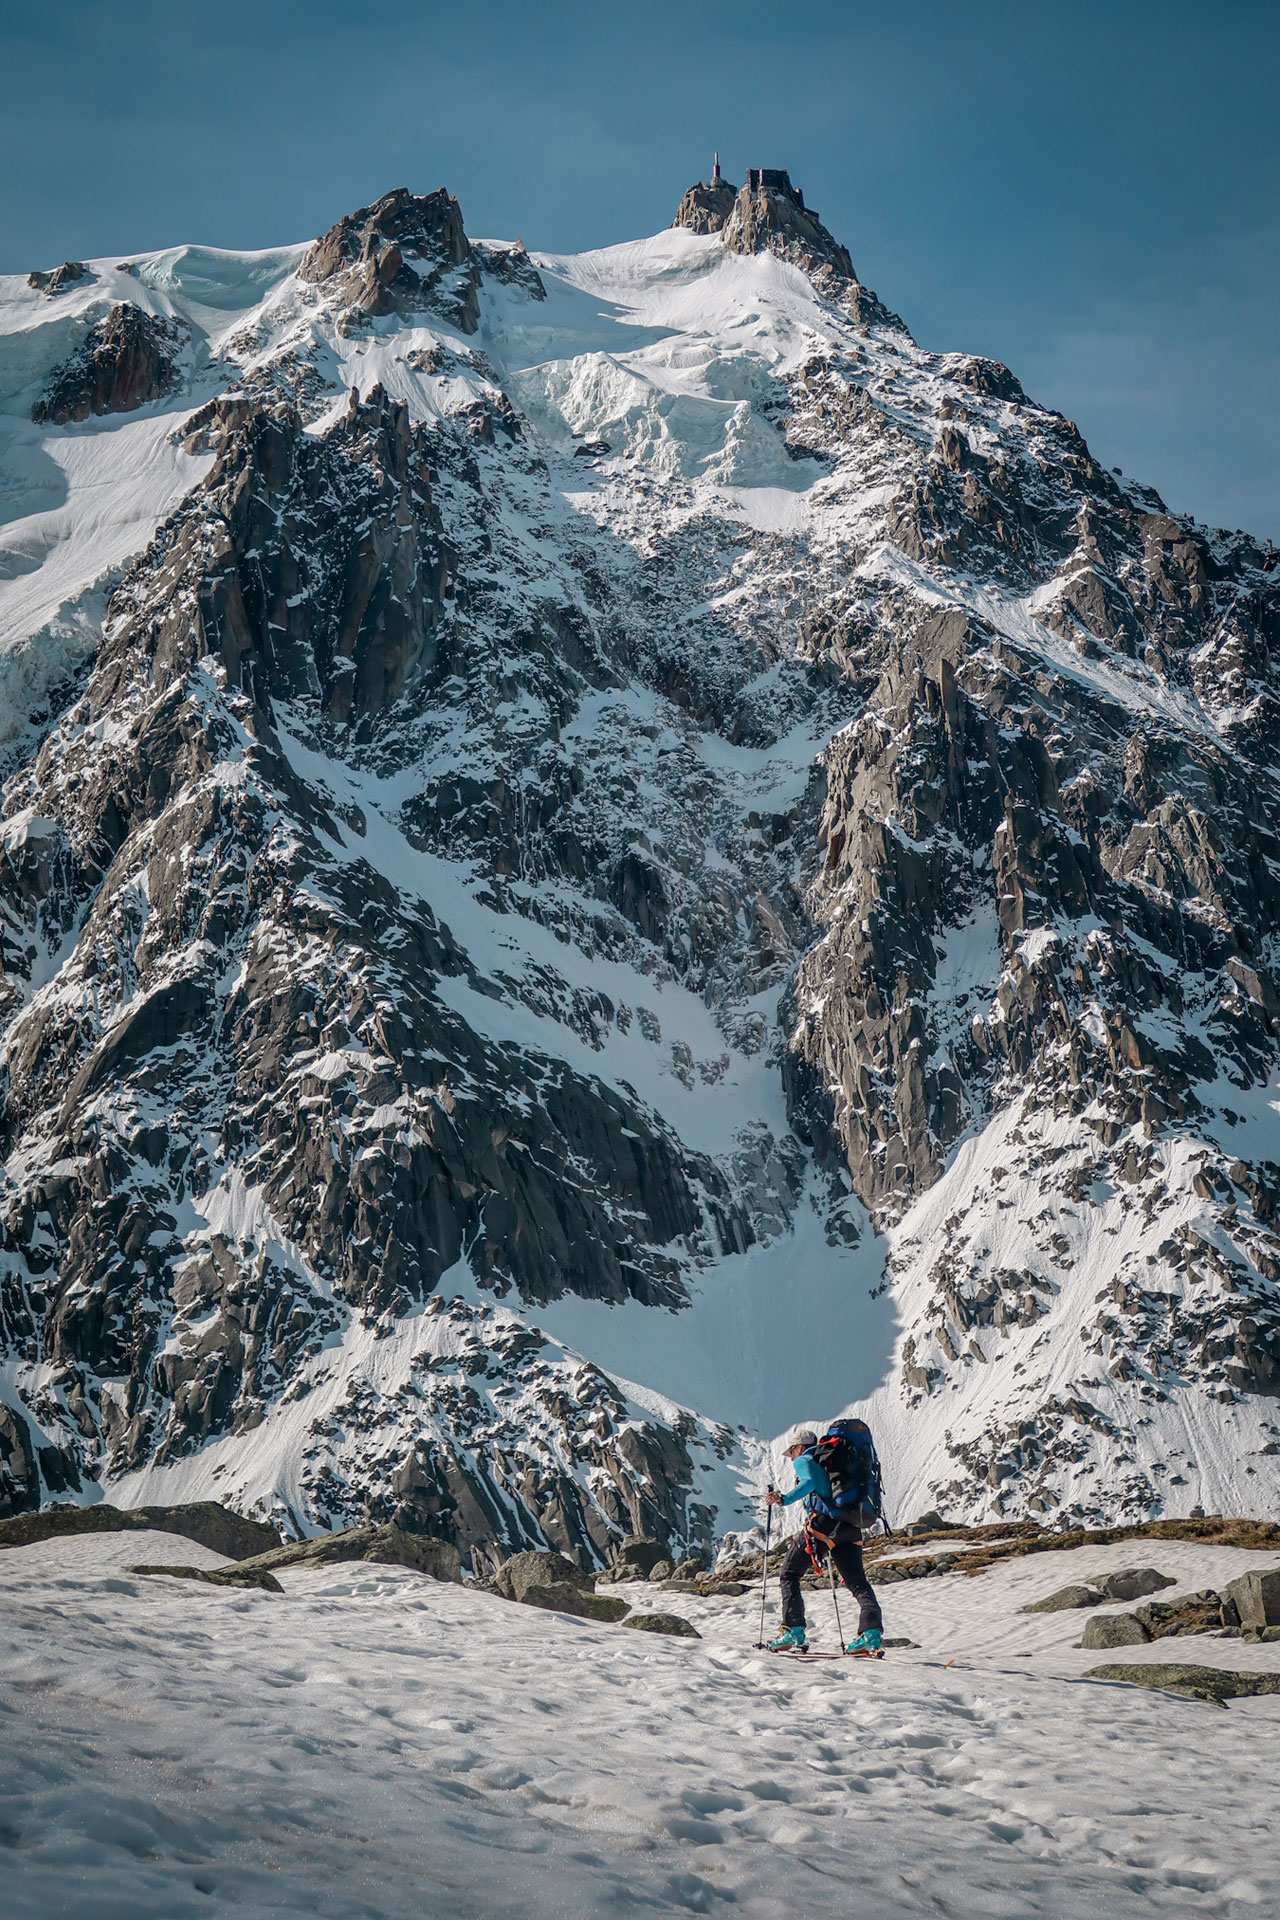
{"x": 846, "y": 1551}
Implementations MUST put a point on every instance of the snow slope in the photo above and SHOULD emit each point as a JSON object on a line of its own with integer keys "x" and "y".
{"x": 375, "y": 1743}
{"x": 78, "y": 502}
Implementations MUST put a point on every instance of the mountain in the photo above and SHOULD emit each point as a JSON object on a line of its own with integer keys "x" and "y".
{"x": 602, "y": 855}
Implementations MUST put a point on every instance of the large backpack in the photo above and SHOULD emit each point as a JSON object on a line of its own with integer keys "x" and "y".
{"x": 848, "y": 1455}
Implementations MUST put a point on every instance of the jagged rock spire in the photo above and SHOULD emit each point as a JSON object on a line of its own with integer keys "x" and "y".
{"x": 768, "y": 215}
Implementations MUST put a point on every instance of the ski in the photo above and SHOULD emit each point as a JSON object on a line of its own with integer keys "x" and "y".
{"x": 813, "y": 1653}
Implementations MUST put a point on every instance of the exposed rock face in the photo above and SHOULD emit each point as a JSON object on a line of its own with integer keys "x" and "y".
{"x": 405, "y": 251}
{"x": 769, "y": 215}
{"x": 1202, "y": 1612}
{"x": 706, "y": 209}
{"x": 468, "y": 875}
{"x": 58, "y": 279}
{"x": 19, "y": 1475}
{"x": 308, "y": 567}
{"x": 129, "y": 359}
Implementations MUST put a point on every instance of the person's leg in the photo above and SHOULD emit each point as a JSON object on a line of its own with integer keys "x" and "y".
{"x": 848, "y": 1558}
{"x": 793, "y": 1567}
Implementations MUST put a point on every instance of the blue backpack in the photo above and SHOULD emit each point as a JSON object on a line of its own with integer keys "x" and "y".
{"x": 847, "y": 1454}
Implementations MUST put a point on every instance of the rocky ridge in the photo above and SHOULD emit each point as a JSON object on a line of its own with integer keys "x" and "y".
{"x": 128, "y": 359}
{"x": 449, "y": 824}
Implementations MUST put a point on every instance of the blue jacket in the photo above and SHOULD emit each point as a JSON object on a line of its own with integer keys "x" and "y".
{"x": 811, "y": 1482}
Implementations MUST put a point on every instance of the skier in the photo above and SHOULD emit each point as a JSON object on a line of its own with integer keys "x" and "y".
{"x": 825, "y": 1532}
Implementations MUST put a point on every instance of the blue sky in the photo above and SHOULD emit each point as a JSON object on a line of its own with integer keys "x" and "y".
{"x": 1090, "y": 192}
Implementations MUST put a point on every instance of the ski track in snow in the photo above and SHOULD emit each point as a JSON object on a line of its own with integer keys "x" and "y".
{"x": 375, "y": 1743}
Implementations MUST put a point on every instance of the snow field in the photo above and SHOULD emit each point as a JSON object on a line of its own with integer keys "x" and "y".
{"x": 373, "y": 1743}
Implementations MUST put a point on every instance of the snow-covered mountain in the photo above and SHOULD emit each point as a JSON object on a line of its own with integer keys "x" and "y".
{"x": 602, "y": 855}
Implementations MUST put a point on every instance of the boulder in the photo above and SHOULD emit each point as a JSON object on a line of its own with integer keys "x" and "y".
{"x": 523, "y": 1571}
{"x": 1256, "y": 1598}
{"x": 669, "y": 1623}
{"x": 1194, "y": 1613}
{"x": 1192, "y": 1682}
{"x": 587, "y": 1605}
{"x": 1133, "y": 1583}
{"x": 203, "y": 1521}
{"x": 242, "y": 1576}
{"x": 1114, "y": 1630}
{"x": 550, "y": 1581}
{"x": 930, "y": 1522}
{"x": 382, "y": 1546}
{"x": 1064, "y": 1598}
{"x": 661, "y": 1570}
{"x": 637, "y": 1556}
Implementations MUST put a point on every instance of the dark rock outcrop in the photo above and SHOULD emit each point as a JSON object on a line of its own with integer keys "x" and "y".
{"x": 58, "y": 279}
{"x": 1190, "y": 1682}
{"x": 769, "y": 215}
{"x": 1255, "y": 1598}
{"x": 1202, "y": 1612}
{"x": 217, "y": 1576}
{"x": 385, "y": 1546}
{"x": 129, "y": 359}
{"x": 672, "y": 1624}
{"x": 636, "y": 1556}
{"x": 1064, "y": 1599}
{"x": 706, "y": 208}
{"x": 202, "y": 1521}
{"x": 19, "y": 1475}
{"x": 1114, "y": 1630}
{"x": 406, "y": 251}
{"x": 548, "y": 1580}
{"x": 1133, "y": 1583}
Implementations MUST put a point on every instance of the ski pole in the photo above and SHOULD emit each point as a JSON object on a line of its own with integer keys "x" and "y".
{"x": 764, "y": 1568}
{"x": 831, "y": 1569}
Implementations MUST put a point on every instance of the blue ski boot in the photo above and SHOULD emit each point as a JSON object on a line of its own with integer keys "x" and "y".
{"x": 790, "y": 1640}
{"x": 867, "y": 1645}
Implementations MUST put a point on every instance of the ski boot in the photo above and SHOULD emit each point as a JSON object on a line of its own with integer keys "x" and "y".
{"x": 790, "y": 1640}
{"x": 867, "y": 1645}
